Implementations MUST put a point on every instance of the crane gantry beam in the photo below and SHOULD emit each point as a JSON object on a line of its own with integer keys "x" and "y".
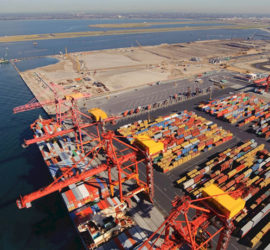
{"x": 194, "y": 231}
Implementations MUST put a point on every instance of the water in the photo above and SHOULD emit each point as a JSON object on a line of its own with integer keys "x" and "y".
{"x": 47, "y": 225}
{"x": 35, "y": 63}
{"x": 28, "y": 27}
{"x": 51, "y": 47}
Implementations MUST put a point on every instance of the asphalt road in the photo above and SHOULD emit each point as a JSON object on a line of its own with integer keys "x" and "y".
{"x": 131, "y": 99}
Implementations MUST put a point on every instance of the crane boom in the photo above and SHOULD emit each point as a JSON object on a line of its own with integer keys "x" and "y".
{"x": 31, "y": 106}
{"x": 25, "y": 201}
{"x": 55, "y": 134}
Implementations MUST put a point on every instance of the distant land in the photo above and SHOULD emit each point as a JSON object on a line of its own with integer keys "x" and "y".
{"x": 144, "y": 24}
{"x": 19, "y": 38}
{"x": 142, "y": 15}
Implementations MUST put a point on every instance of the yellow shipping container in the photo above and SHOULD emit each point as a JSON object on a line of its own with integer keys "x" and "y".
{"x": 254, "y": 241}
{"x": 223, "y": 202}
{"x": 216, "y": 138}
{"x": 231, "y": 173}
{"x": 240, "y": 217}
{"x": 196, "y": 192}
{"x": 184, "y": 144}
{"x": 181, "y": 180}
{"x": 253, "y": 206}
{"x": 266, "y": 228}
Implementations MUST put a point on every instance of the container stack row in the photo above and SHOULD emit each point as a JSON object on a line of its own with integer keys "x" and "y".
{"x": 80, "y": 194}
{"x": 240, "y": 109}
{"x": 245, "y": 165}
{"x": 257, "y": 238}
{"x": 262, "y": 126}
{"x": 175, "y": 139}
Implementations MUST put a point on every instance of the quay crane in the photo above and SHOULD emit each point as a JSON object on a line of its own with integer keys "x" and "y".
{"x": 125, "y": 163}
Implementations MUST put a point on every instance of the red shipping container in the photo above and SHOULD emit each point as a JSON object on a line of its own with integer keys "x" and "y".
{"x": 224, "y": 188}
{"x": 230, "y": 183}
{"x": 198, "y": 178}
{"x": 241, "y": 167}
{"x": 71, "y": 197}
{"x": 202, "y": 171}
{"x": 267, "y": 134}
{"x": 209, "y": 142}
{"x": 212, "y": 175}
{"x": 222, "y": 179}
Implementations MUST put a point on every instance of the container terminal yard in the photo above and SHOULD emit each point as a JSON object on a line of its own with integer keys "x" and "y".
{"x": 159, "y": 153}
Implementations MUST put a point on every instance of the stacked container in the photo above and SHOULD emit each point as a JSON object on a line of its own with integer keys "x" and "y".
{"x": 81, "y": 194}
{"x": 239, "y": 109}
{"x": 184, "y": 136}
{"x": 262, "y": 126}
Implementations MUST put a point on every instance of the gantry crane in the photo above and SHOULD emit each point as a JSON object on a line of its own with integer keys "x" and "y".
{"x": 57, "y": 101}
{"x": 125, "y": 161}
{"x": 72, "y": 113}
{"x": 195, "y": 229}
{"x": 125, "y": 164}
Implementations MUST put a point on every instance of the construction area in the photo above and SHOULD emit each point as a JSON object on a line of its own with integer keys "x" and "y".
{"x": 101, "y": 73}
{"x": 187, "y": 167}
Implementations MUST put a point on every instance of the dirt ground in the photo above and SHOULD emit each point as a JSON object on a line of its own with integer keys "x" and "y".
{"x": 105, "y": 71}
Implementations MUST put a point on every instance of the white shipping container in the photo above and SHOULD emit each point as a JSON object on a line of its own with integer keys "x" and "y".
{"x": 207, "y": 169}
{"x": 267, "y": 160}
{"x": 72, "y": 186}
{"x": 65, "y": 199}
{"x": 188, "y": 183}
{"x": 267, "y": 175}
{"x": 246, "y": 228}
{"x": 257, "y": 218}
{"x": 266, "y": 209}
{"x": 117, "y": 200}
{"x": 110, "y": 202}
{"x": 248, "y": 197}
{"x": 83, "y": 191}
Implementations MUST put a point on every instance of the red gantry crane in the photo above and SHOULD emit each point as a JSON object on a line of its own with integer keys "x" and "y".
{"x": 125, "y": 161}
{"x": 71, "y": 112}
{"x": 121, "y": 157}
{"x": 57, "y": 101}
{"x": 126, "y": 164}
{"x": 196, "y": 222}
